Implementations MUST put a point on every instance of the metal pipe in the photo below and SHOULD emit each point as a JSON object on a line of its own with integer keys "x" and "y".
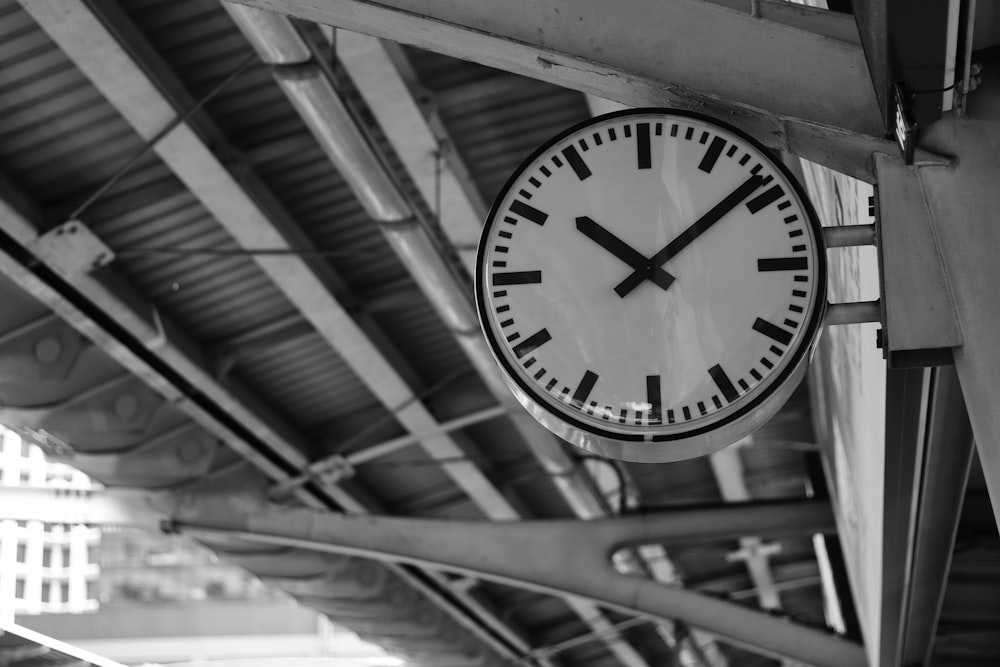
{"x": 843, "y": 236}
{"x": 853, "y": 313}
{"x": 313, "y": 96}
{"x": 273, "y": 36}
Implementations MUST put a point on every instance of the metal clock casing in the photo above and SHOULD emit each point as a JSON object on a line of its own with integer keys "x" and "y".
{"x": 651, "y": 283}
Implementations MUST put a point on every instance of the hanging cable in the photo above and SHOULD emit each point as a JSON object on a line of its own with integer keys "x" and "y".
{"x": 155, "y": 139}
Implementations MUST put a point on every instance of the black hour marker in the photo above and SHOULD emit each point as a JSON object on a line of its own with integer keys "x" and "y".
{"x": 539, "y": 374}
{"x": 517, "y": 278}
{"x": 514, "y": 336}
{"x": 732, "y": 150}
{"x": 659, "y": 129}
{"x": 783, "y": 205}
{"x": 673, "y": 130}
{"x": 553, "y": 382}
{"x": 701, "y": 408}
{"x": 723, "y": 382}
{"x": 583, "y": 145}
{"x": 530, "y": 362}
{"x": 783, "y": 264}
{"x": 743, "y": 383}
{"x": 524, "y": 193}
{"x": 622, "y": 415}
{"x": 597, "y": 139}
{"x": 689, "y": 133}
{"x": 775, "y": 350}
{"x": 755, "y": 374}
{"x": 499, "y": 265}
{"x": 712, "y": 155}
{"x": 642, "y": 145}
{"x": 687, "y": 412}
{"x": 506, "y": 235}
{"x": 790, "y": 219}
{"x": 545, "y": 171}
{"x": 772, "y": 331}
{"x": 503, "y": 309}
{"x": 765, "y": 198}
{"x": 529, "y": 212}
{"x": 801, "y": 279}
{"x": 717, "y": 402}
{"x": 791, "y": 323}
{"x": 795, "y": 309}
{"x": 580, "y": 167}
{"x": 794, "y": 233}
{"x": 500, "y": 293}
{"x": 501, "y": 248}
{"x": 532, "y": 343}
{"x": 756, "y": 169}
{"x": 583, "y": 389}
{"x": 653, "y": 398}
{"x": 670, "y": 416}
{"x": 767, "y": 364}
{"x": 611, "y": 134}
{"x": 798, "y": 248}
{"x": 628, "y": 131}
{"x": 506, "y": 323}
{"x": 556, "y": 161}
{"x": 510, "y": 220}
{"x": 703, "y": 138}
{"x": 744, "y": 159}
{"x": 534, "y": 181}
{"x": 799, "y": 293}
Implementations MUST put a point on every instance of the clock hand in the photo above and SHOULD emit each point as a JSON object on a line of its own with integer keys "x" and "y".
{"x": 688, "y": 235}
{"x": 622, "y": 251}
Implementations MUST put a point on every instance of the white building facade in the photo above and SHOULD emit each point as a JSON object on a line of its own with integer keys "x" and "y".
{"x": 44, "y": 567}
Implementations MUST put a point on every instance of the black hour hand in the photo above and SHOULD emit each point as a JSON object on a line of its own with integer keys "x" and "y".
{"x": 623, "y": 251}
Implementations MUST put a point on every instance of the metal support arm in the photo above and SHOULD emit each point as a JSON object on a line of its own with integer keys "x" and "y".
{"x": 563, "y": 557}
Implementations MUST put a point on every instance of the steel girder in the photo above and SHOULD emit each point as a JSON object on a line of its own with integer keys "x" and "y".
{"x": 960, "y": 204}
{"x": 521, "y": 554}
{"x": 794, "y": 77}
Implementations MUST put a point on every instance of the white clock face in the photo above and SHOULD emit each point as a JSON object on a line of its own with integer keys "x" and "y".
{"x": 649, "y": 279}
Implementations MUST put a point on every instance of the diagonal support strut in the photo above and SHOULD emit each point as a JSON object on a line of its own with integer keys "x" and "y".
{"x": 561, "y": 557}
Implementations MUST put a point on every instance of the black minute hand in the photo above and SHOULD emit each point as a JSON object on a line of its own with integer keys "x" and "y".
{"x": 623, "y": 251}
{"x": 688, "y": 235}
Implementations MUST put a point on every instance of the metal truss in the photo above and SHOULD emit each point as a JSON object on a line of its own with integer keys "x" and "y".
{"x": 522, "y": 554}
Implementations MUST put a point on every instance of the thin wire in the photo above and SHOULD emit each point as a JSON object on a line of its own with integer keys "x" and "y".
{"x": 146, "y": 147}
{"x": 933, "y": 90}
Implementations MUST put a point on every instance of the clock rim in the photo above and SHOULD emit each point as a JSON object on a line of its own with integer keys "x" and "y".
{"x": 794, "y": 369}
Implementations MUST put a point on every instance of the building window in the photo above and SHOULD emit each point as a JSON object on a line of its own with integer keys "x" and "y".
{"x": 22, "y": 552}
{"x": 19, "y": 588}
{"x": 65, "y": 556}
{"x": 47, "y": 556}
{"x": 25, "y": 449}
{"x": 47, "y": 592}
{"x": 64, "y": 592}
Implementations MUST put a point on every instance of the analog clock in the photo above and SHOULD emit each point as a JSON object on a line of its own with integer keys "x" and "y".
{"x": 651, "y": 283}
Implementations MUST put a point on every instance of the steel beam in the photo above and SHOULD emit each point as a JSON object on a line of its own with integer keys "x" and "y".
{"x": 710, "y": 56}
{"x": 946, "y": 458}
{"x": 961, "y": 204}
{"x": 520, "y": 554}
